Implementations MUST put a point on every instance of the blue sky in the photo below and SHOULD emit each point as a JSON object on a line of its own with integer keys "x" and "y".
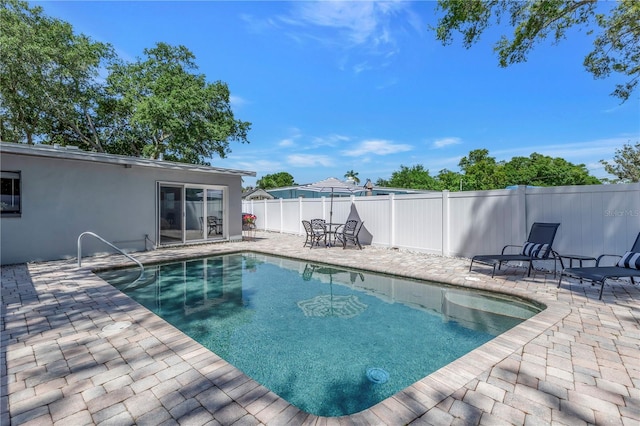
{"x": 365, "y": 86}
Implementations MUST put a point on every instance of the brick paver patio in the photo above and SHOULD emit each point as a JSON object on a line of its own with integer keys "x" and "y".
{"x": 577, "y": 362}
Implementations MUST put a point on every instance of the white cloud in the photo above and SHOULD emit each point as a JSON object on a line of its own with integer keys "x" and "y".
{"x": 309, "y": 160}
{"x": 376, "y": 147}
{"x": 368, "y": 26}
{"x": 237, "y": 101}
{"x": 575, "y": 152}
{"x": 444, "y": 142}
{"x": 258, "y": 166}
{"x": 286, "y": 143}
{"x": 330, "y": 140}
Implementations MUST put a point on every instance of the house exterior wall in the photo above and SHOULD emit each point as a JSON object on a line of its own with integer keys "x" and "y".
{"x": 61, "y": 198}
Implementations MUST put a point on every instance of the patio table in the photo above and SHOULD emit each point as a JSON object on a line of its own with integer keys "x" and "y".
{"x": 330, "y": 229}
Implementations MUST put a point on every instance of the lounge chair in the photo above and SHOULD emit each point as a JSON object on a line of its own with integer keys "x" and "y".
{"x": 537, "y": 247}
{"x": 627, "y": 267}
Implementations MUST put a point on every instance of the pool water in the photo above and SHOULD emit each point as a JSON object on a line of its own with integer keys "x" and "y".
{"x": 329, "y": 340}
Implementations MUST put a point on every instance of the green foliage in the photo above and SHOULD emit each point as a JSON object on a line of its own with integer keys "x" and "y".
{"x": 616, "y": 48}
{"x": 414, "y": 177}
{"x": 48, "y": 88}
{"x": 540, "y": 170}
{"x": 159, "y": 105}
{"x": 626, "y": 164}
{"x": 176, "y": 112}
{"x": 275, "y": 180}
{"x": 448, "y": 180}
{"x": 353, "y": 175}
{"x": 479, "y": 171}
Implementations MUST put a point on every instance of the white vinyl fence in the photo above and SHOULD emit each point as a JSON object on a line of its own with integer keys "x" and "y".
{"x": 593, "y": 219}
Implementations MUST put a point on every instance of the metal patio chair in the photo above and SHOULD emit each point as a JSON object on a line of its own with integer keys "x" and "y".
{"x": 313, "y": 236}
{"x": 348, "y": 233}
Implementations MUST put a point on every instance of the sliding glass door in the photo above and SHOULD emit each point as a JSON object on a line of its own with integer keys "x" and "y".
{"x": 189, "y": 213}
{"x": 170, "y": 215}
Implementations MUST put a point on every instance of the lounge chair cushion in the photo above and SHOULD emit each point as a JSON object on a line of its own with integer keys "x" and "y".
{"x": 630, "y": 260}
{"x": 535, "y": 250}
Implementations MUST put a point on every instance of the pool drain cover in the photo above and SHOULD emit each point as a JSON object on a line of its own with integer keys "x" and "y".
{"x": 377, "y": 375}
{"x": 116, "y": 326}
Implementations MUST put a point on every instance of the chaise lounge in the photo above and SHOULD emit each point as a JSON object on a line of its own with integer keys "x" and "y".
{"x": 537, "y": 247}
{"x": 627, "y": 267}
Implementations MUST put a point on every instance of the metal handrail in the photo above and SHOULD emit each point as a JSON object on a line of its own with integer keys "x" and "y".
{"x": 110, "y": 245}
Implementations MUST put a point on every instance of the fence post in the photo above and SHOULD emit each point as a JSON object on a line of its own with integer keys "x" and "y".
{"x": 300, "y": 230}
{"x": 266, "y": 219}
{"x": 445, "y": 223}
{"x": 522, "y": 212}
{"x": 392, "y": 220}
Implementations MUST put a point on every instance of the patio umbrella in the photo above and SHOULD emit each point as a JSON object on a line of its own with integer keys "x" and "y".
{"x": 335, "y": 186}
{"x": 330, "y": 305}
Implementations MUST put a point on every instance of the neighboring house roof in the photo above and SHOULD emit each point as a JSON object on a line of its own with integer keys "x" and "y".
{"x": 74, "y": 153}
{"x": 257, "y": 194}
{"x": 297, "y": 191}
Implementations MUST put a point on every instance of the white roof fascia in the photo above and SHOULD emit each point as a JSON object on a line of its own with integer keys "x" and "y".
{"x": 73, "y": 153}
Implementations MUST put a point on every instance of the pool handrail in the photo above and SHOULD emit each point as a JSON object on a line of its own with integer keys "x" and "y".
{"x": 93, "y": 234}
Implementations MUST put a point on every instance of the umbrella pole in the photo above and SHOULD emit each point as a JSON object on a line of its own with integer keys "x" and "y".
{"x": 331, "y": 207}
{"x": 330, "y": 216}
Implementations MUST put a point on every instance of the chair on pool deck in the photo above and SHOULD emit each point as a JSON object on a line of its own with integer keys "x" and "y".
{"x": 627, "y": 267}
{"x": 537, "y": 247}
{"x": 348, "y": 233}
{"x": 313, "y": 236}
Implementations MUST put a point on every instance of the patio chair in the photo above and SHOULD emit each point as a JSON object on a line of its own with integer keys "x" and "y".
{"x": 627, "y": 267}
{"x": 214, "y": 225}
{"x": 537, "y": 247}
{"x": 348, "y": 233}
{"x": 313, "y": 236}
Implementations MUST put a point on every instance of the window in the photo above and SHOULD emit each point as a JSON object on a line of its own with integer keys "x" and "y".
{"x": 10, "y": 194}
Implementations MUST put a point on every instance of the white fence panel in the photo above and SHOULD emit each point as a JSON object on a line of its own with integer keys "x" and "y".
{"x": 376, "y": 214}
{"x": 291, "y": 221}
{"x": 593, "y": 219}
{"x": 418, "y": 222}
{"x": 341, "y": 209}
{"x": 313, "y": 208}
{"x": 482, "y": 222}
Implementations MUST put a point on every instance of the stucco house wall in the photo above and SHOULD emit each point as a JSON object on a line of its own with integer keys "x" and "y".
{"x": 66, "y": 193}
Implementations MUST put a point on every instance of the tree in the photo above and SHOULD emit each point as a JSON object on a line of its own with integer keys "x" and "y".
{"x": 276, "y": 180}
{"x": 449, "y": 180}
{"x": 481, "y": 171}
{"x": 541, "y": 170}
{"x": 174, "y": 112}
{"x": 48, "y": 88}
{"x": 353, "y": 176}
{"x": 414, "y": 177}
{"x": 616, "y": 47}
{"x": 626, "y": 164}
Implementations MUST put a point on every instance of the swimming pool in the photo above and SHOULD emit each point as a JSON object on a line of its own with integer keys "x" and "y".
{"x": 331, "y": 341}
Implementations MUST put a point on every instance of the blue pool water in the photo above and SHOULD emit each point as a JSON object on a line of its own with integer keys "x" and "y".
{"x": 331, "y": 341}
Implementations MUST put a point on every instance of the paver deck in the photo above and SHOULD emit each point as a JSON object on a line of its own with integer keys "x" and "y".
{"x": 577, "y": 362}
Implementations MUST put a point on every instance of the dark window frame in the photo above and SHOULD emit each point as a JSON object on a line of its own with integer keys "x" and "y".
{"x": 16, "y": 183}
